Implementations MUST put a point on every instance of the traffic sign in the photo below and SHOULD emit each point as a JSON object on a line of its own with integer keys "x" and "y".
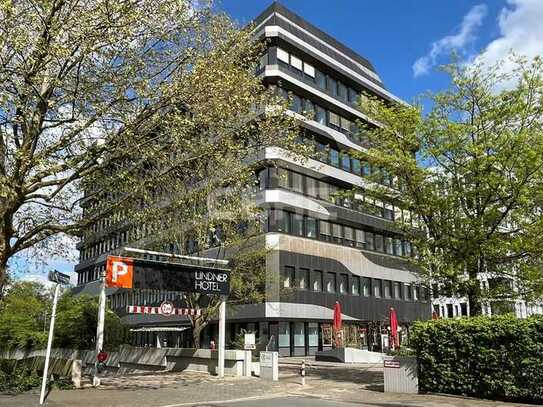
{"x": 250, "y": 342}
{"x": 59, "y": 278}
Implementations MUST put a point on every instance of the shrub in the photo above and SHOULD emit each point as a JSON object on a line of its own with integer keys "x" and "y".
{"x": 19, "y": 380}
{"x": 495, "y": 358}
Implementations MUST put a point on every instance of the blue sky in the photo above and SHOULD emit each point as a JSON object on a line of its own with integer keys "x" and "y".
{"x": 395, "y": 34}
{"x": 405, "y": 40}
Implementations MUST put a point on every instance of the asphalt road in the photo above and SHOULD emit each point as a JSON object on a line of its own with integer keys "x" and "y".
{"x": 285, "y": 402}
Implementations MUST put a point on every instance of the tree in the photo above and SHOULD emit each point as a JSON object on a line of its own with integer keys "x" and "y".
{"x": 24, "y": 313}
{"x": 104, "y": 104}
{"x": 471, "y": 174}
{"x": 75, "y": 327}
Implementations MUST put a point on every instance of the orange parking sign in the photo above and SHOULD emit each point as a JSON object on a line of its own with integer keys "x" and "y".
{"x": 119, "y": 272}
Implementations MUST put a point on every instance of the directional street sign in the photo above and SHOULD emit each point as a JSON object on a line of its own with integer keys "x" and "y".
{"x": 59, "y": 278}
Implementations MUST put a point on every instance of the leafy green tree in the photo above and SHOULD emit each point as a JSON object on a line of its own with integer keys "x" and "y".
{"x": 107, "y": 104}
{"x": 24, "y": 313}
{"x": 471, "y": 173}
{"x": 75, "y": 327}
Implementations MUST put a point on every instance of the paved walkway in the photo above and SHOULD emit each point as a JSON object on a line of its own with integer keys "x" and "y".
{"x": 327, "y": 385}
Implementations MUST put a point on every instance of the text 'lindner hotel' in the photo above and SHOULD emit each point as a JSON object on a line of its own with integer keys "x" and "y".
{"x": 325, "y": 248}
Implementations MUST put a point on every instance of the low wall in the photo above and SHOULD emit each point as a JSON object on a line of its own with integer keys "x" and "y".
{"x": 131, "y": 359}
{"x": 349, "y": 355}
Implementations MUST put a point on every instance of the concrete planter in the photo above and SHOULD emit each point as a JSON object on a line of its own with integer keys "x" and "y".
{"x": 401, "y": 374}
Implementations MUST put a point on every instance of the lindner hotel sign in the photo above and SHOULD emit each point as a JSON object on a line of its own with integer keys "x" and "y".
{"x": 126, "y": 272}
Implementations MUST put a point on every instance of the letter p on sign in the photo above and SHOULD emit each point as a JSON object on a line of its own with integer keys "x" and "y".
{"x": 119, "y": 272}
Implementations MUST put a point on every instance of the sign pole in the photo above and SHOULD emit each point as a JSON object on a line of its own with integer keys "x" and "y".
{"x": 100, "y": 328}
{"x": 222, "y": 333}
{"x": 49, "y": 344}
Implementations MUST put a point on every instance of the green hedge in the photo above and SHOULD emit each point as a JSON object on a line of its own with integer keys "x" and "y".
{"x": 495, "y": 358}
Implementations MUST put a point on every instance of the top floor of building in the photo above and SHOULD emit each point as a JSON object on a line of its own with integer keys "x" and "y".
{"x": 316, "y": 55}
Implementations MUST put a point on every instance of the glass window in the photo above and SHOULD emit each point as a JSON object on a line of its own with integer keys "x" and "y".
{"x": 263, "y": 60}
{"x": 355, "y": 163}
{"x": 397, "y": 247}
{"x": 302, "y": 279}
{"x": 263, "y": 179}
{"x": 388, "y": 245}
{"x": 296, "y": 224}
{"x": 296, "y": 104}
{"x": 309, "y": 69}
{"x": 348, "y": 234}
{"x": 313, "y": 334}
{"x": 366, "y": 169}
{"x": 366, "y": 286}
{"x": 408, "y": 295}
{"x": 288, "y": 277}
{"x": 389, "y": 212}
{"x": 355, "y": 285}
{"x": 320, "y": 79}
{"x": 397, "y": 290}
{"x": 341, "y": 91}
{"x": 282, "y": 55}
{"x": 345, "y": 162}
{"x": 316, "y": 282}
{"x": 334, "y": 157}
{"x": 376, "y": 283}
{"x": 320, "y": 115}
{"x": 282, "y": 178}
{"x": 334, "y": 119}
{"x": 324, "y": 191}
{"x": 379, "y": 246}
{"x": 353, "y": 95}
{"x": 336, "y": 232}
{"x": 284, "y": 334}
{"x": 333, "y": 190}
{"x": 311, "y": 187}
{"x": 423, "y": 294}
{"x": 330, "y": 282}
{"x": 345, "y": 124}
{"x": 310, "y": 227}
{"x": 296, "y": 62}
{"x": 370, "y": 241}
{"x": 299, "y": 334}
{"x": 416, "y": 294}
{"x": 296, "y": 182}
{"x": 279, "y": 221}
{"x": 332, "y": 86}
{"x": 359, "y": 238}
{"x": 388, "y": 288}
{"x": 343, "y": 283}
{"x": 355, "y": 131}
{"x": 406, "y": 248}
{"x": 309, "y": 108}
{"x": 325, "y": 230}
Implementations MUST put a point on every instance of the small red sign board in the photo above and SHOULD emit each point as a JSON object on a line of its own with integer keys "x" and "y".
{"x": 102, "y": 356}
{"x": 392, "y": 363}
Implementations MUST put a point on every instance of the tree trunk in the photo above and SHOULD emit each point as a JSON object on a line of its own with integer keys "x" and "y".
{"x": 474, "y": 300}
{"x": 3, "y": 263}
{"x": 197, "y": 328}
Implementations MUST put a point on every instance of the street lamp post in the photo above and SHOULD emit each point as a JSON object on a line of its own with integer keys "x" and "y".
{"x": 60, "y": 279}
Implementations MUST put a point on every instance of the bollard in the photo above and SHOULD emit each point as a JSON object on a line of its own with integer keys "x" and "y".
{"x": 302, "y": 372}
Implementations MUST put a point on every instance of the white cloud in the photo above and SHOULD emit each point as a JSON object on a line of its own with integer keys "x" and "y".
{"x": 466, "y": 35}
{"x": 521, "y": 30}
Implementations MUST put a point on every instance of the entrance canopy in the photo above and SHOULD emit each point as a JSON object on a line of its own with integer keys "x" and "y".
{"x": 160, "y": 329}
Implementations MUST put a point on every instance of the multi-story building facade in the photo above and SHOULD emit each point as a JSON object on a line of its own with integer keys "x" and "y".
{"x": 323, "y": 248}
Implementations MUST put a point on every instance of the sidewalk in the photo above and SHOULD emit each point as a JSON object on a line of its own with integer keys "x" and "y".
{"x": 360, "y": 385}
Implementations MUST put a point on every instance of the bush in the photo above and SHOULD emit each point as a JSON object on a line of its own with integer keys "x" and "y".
{"x": 21, "y": 379}
{"x": 495, "y": 358}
